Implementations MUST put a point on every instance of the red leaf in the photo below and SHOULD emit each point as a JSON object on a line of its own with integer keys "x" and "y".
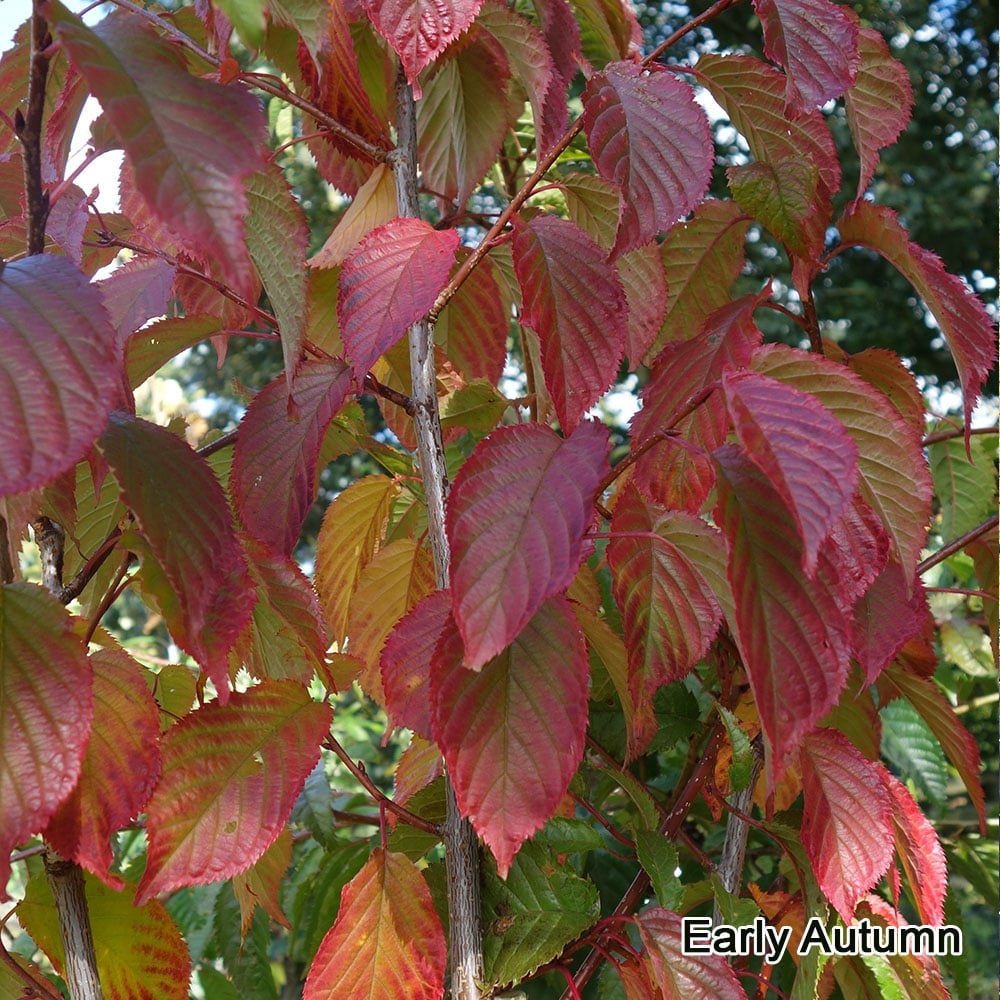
{"x": 231, "y": 775}
{"x": 847, "y": 829}
{"x": 676, "y": 476}
{"x": 891, "y": 613}
{"x": 645, "y": 284}
{"x": 512, "y": 734}
{"x": 858, "y": 546}
{"x": 752, "y": 94}
{"x": 920, "y": 853}
{"x": 678, "y": 975}
{"x": 179, "y": 131}
{"x": 878, "y": 103}
{"x": 45, "y": 712}
{"x": 420, "y": 30}
{"x": 533, "y": 67}
{"x": 472, "y": 329}
{"x": 894, "y": 478}
{"x": 956, "y": 741}
{"x": 463, "y": 116}
{"x": 406, "y": 662}
{"x": 562, "y": 36}
{"x": 274, "y": 461}
{"x": 964, "y": 320}
{"x": 120, "y": 766}
{"x": 791, "y": 629}
{"x": 649, "y": 136}
{"x": 816, "y": 42}
{"x": 387, "y": 942}
{"x": 389, "y": 281}
{"x": 137, "y": 292}
{"x": 669, "y": 612}
{"x": 340, "y": 90}
{"x": 183, "y": 516}
{"x": 59, "y": 370}
{"x": 574, "y": 301}
{"x": 515, "y": 520}
{"x": 701, "y": 259}
{"x": 803, "y": 450}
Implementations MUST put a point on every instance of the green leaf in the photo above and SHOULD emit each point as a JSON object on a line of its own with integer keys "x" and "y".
{"x": 702, "y": 257}
{"x": 150, "y": 348}
{"x": 966, "y": 490}
{"x": 286, "y": 638}
{"x": 247, "y": 17}
{"x": 785, "y": 197}
{"x": 463, "y": 115}
{"x": 736, "y": 911}
{"x": 246, "y": 956}
{"x": 313, "y": 891}
{"x": 276, "y": 236}
{"x": 532, "y": 914}
{"x": 741, "y": 768}
{"x": 564, "y": 835}
{"x": 658, "y": 857}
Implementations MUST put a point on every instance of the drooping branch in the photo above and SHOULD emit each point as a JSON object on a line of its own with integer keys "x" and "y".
{"x": 461, "y": 845}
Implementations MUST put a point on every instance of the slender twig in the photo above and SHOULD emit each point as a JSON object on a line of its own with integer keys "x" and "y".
{"x": 669, "y": 828}
{"x": 955, "y": 432}
{"x": 605, "y": 822}
{"x": 377, "y": 794}
{"x": 408, "y": 403}
{"x": 117, "y": 588}
{"x": 696, "y": 22}
{"x": 785, "y": 311}
{"x": 810, "y": 321}
{"x": 958, "y": 544}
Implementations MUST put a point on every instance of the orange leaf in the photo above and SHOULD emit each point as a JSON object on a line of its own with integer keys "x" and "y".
{"x": 387, "y": 941}
{"x": 230, "y": 778}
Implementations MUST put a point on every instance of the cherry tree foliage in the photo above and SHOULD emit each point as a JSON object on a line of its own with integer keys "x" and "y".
{"x": 731, "y": 593}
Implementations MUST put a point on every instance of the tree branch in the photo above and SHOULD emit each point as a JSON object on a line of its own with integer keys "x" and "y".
{"x": 377, "y": 794}
{"x": 29, "y": 131}
{"x": 461, "y": 844}
{"x": 958, "y": 544}
{"x": 66, "y": 882}
{"x": 65, "y": 877}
